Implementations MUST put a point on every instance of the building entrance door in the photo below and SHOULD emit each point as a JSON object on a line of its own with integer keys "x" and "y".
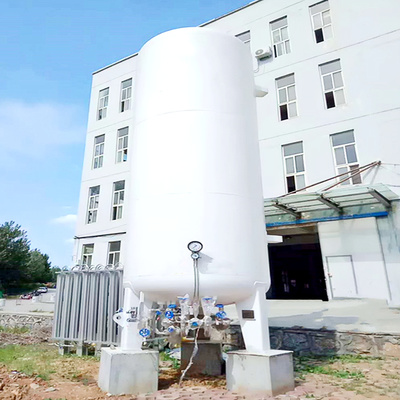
{"x": 341, "y": 276}
{"x": 296, "y": 266}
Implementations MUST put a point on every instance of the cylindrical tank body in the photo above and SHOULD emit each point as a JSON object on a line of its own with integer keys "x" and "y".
{"x": 195, "y": 169}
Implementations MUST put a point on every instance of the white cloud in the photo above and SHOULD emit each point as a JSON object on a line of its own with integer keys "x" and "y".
{"x": 32, "y": 130}
{"x": 69, "y": 241}
{"x": 69, "y": 219}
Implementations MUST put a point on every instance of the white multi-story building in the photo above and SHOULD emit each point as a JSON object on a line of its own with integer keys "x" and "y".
{"x": 331, "y": 70}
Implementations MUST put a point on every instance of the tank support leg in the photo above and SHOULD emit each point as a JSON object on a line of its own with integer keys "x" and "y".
{"x": 129, "y": 369}
{"x": 130, "y": 339}
{"x": 258, "y": 369}
{"x": 253, "y": 317}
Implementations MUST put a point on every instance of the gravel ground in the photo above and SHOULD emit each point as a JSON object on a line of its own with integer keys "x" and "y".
{"x": 36, "y": 336}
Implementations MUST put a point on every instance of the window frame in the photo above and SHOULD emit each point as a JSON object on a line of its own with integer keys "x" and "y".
{"x": 93, "y": 205}
{"x": 296, "y": 173}
{"x": 102, "y": 104}
{"x": 122, "y": 153}
{"x": 334, "y": 89}
{"x": 112, "y": 255}
{"x": 284, "y": 42}
{"x": 118, "y": 198}
{"x": 349, "y": 166}
{"x": 98, "y": 158}
{"x": 87, "y": 256}
{"x": 288, "y": 102}
{"x": 128, "y": 99}
{"x": 323, "y": 26}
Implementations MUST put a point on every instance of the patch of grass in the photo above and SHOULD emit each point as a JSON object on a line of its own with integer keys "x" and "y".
{"x": 164, "y": 356}
{"x": 44, "y": 361}
{"x": 321, "y": 365}
{"x": 343, "y": 374}
{"x": 31, "y": 360}
{"x": 14, "y": 330}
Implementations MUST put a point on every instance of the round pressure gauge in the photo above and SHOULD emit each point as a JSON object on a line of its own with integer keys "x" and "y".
{"x": 195, "y": 246}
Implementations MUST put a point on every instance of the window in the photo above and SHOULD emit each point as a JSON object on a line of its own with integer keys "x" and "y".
{"x": 93, "y": 204}
{"x": 245, "y": 38}
{"x": 280, "y": 36}
{"x": 321, "y": 21}
{"x": 344, "y": 150}
{"x": 114, "y": 249}
{"x": 87, "y": 254}
{"x": 332, "y": 82}
{"x": 122, "y": 145}
{"x": 294, "y": 166}
{"x": 118, "y": 199}
{"x": 126, "y": 94}
{"x": 103, "y": 104}
{"x": 98, "y": 151}
{"x": 286, "y": 97}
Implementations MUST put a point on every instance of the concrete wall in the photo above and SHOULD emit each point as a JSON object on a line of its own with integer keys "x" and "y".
{"x": 388, "y": 229}
{"x": 111, "y": 171}
{"x": 325, "y": 342}
{"x": 366, "y": 37}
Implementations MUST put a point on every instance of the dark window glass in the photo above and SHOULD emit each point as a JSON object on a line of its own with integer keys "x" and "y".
{"x": 284, "y": 112}
{"x": 319, "y": 35}
{"x": 356, "y": 178}
{"x": 330, "y": 100}
{"x": 291, "y": 185}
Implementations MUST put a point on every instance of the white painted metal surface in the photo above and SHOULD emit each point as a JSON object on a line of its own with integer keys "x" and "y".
{"x": 195, "y": 169}
{"x": 360, "y": 239}
{"x": 341, "y": 276}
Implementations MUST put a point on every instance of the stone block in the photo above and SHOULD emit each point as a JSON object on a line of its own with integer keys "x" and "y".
{"x": 128, "y": 372}
{"x": 269, "y": 373}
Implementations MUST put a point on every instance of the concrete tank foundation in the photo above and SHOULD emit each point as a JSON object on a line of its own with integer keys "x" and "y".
{"x": 208, "y": 360}
{"x": 128, "y": 371}
{"x": 268, "y": 373}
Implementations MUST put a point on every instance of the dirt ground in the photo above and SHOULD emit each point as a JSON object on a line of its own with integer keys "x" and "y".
{"x": 73, "y": 378}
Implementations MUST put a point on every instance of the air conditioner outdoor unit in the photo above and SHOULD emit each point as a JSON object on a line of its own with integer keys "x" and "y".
{"x": 263, "y": 53}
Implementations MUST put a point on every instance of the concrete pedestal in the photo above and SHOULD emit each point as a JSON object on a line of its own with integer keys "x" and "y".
{"x": 269, "y": 373}
{"x": 128, "y": 372}
{"x": 208, "y": 360}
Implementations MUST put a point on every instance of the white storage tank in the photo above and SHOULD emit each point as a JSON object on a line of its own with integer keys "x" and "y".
{"x": 195, "y": 169}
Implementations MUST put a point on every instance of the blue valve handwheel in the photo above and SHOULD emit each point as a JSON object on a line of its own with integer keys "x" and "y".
{"x": 144, "y": 332}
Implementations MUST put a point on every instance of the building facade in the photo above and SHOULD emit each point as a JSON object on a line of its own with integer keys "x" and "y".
{"x": 329, "y": 145}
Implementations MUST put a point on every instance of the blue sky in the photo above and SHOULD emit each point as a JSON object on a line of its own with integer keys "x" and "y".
{"x": 49, "y": 50}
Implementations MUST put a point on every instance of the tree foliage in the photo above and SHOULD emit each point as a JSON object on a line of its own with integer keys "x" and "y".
{"x": 38, "y": 267}
{"x": 18, "y": 263}
{"x": 14, "y": 253}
